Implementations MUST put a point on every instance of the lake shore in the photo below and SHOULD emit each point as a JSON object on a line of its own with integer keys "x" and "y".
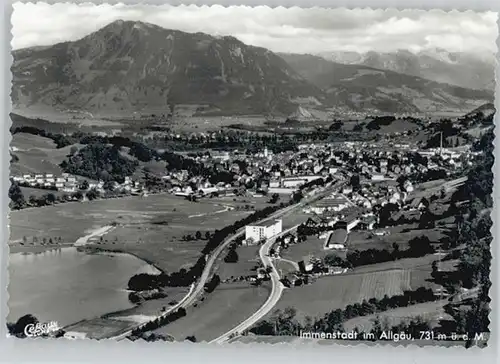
{"x": 37, "y": 248}
{"x": 86, "y": 244}
{"x": 94, "y": 249}
{"x": 17, "y": 248}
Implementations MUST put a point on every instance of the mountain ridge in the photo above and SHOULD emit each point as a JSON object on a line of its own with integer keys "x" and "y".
{"x": 462, "y": 69}
{"x": 136, "y": 67}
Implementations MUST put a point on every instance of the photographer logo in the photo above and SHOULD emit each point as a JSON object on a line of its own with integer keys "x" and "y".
{"x": 38, "y": 329}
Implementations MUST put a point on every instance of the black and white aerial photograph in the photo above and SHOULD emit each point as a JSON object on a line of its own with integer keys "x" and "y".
{"x": 251, "y": 174}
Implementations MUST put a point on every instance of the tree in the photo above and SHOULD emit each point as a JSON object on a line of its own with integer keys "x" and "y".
{"x": 231, "y": 257}
{"x": 297, "y": 196}
{"x": 84, "y": 185}
{"x": 13, "y": 158}
{"x": 274, "y": 198}
{"x": 434, "y": 268}
{"x": 420, "y": 246}
{"x": 336, "y": 126}
{"x": 99, "y": 160}
{"x": 78, "y": 195}
{"x": 333, "y": 260}
{"x": 108, "y": 186}
{"x": 17, "y": 329}
{"x": 198, "y": 235}
{"x": 16, "y": 196}
{"x": 51, "y": 198}
{"x": 385, "y": 214}
{"x": 73, "y": 150}
{"x": 427, "y": 220}
{"x": 395, "y": 249}
{"x": 33, "y": 201}
{"x": 354, "y": 182}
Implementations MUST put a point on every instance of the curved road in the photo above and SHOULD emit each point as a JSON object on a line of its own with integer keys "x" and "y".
{"x": 294, "y": 264}
{"x": 272, "y": 300}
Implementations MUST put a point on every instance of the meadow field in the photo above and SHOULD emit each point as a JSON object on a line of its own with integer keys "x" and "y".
{"x": 248, "y": 258}
{"x": 24, "y": 141}
{"x": 99, "y": 328}
{"x": 241, "y": 202}
{"x": 285, "y": 266}
{"x": 219, "y": 312}
{"x": 185, "y": 121}
{"x": 313, "y": 246}
{"x": 372, "y": 281}
{"x": 37, "y": 155}
{"x": 294, "y": 217}
{"x": 150, "y": 227}
{"x": 332, "y": 292}
{"x": 74, "y": 219}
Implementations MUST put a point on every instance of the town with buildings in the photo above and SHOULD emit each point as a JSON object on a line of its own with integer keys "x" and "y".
{"x": 241, "y": 220}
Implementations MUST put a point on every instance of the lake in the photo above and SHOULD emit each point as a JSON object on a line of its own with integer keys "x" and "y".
{"x": 67, "y": 286}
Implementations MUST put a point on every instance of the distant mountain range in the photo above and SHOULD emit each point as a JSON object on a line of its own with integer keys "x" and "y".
{"x": 136, "y": 66}
{"x": 467, "y": 70}
{"x": 360, "y": 87}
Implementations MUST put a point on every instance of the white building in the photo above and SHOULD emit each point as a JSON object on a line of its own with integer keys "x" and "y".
{"x": 351, "y": 225}
{"x": 293, "y": 182}
{"x": 256, "y": 233}
{"x": 347, "y": 190}
{"x": 281, "y": 190}
{"x": 317, "y": 168}
{"x": 69, "y": 188}
{"x": 274, "y": 183}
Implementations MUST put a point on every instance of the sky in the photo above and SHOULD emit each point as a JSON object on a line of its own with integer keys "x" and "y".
{"x": 292, "y": 30}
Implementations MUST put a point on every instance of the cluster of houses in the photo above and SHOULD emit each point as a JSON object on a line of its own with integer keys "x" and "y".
{"x": 281, "y": 173}
{"x": 70, "y": 184}
{"x": 64, "y": 182}
{"x": 351, "y": 208}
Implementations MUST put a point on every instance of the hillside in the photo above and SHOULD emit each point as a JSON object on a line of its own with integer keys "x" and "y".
{"x": 456, "y": 68}
{"x": 140, "y": 67}
{"x": 36, "y": 154}
{"x": 360, "y": 87}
